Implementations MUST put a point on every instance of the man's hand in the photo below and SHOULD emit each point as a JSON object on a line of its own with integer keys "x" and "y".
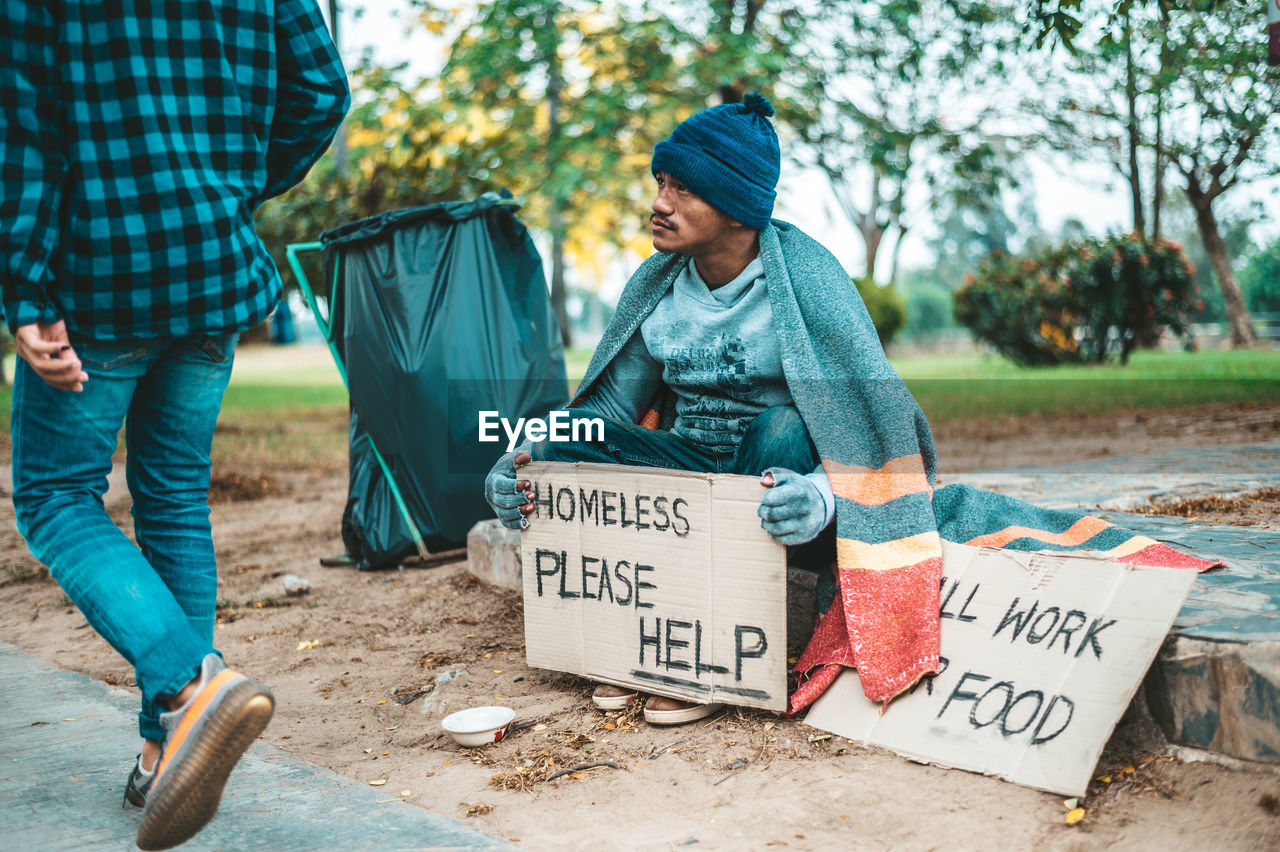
{"x": 792, "y": 509}
{"x": 510, "y": 498}
{"x": 46, "y": 347}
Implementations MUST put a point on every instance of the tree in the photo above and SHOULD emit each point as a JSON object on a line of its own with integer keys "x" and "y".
{"x": 895, "y": 103}
{"x": 1209, "y": 115}
{"x": 1107, "y": 99}
{"x": 740, "y": 46}
{"x": 1226, "y": 100}
{"x": 1235, "y": 224}
{"x": 586, "y": 89}
{"x": 965, "y": 236}
{"x": 402, "y": 151}
{"x": 583, "y": 91}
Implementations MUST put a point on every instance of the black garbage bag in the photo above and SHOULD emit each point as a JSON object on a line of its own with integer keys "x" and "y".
{"x": 438, "y": 313}
{"x": 374, "y": 532}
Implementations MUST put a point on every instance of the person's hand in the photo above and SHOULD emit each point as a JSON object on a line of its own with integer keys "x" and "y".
{"x": 510, "y": 498}
{"x": 46, "y": 347}
{"x": 792, "y": 509}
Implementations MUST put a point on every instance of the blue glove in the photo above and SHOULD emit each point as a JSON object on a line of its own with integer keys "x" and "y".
{"x": 503, "y": 492}
{"x": 793, "y": 509}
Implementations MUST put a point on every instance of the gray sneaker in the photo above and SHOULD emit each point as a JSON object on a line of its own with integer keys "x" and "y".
{"x": 138, "y": 785}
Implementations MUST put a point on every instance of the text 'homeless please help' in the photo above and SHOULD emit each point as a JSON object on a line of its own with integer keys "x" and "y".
{"x": 661, "y": 580}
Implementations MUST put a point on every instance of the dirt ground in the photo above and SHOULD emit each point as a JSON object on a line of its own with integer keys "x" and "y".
{"x": 365, "y": 665}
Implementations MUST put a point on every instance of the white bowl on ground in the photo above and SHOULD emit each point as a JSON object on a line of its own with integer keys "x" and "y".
{"x": 478, "y": 726}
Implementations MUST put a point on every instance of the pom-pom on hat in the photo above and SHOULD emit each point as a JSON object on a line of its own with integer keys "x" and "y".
{"x": 728, "y": 155}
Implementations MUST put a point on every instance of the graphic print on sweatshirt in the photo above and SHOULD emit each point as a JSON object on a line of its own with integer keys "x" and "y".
{"x": 719, "y": 353}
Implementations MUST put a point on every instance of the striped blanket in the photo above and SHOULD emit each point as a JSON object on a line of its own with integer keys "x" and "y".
{"x": 878, "y": 452}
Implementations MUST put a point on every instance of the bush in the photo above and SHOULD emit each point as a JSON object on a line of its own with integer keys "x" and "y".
{"x": 1081, "y": 301}
{"x": 885, "y": 306}
{"x": 1022, "y": 307}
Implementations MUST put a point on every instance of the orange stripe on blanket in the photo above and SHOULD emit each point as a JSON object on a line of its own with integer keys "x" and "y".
{"x": 1081, "y": 531}
{"x": 877, "y": 486}
{"x": 898, "y": 553}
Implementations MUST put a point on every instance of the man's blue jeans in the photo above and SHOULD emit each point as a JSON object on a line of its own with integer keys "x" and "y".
{"x": 153, "y": 602}
{"x": 777, "y": 437}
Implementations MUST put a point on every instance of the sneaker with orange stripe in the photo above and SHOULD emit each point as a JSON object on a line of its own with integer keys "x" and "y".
{"x": 205, "y": 740}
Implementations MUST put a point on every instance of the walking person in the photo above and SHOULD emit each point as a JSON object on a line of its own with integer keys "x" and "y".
{"x": 137, "y": 141}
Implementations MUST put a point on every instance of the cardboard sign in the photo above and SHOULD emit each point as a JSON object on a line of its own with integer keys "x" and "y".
{"x": 1041, "y": 654}
{"x": 658, "y": 580}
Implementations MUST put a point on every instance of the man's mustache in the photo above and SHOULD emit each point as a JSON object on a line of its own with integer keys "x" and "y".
{"x": 655, "y": 219}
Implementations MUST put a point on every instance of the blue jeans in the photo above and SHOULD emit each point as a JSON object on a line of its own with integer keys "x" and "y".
{"x": 777, "y": 437}
{"x": 153, "y": 602}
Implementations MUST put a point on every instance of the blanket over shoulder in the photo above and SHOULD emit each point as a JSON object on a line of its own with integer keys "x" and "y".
{"x": 878, "y": 452}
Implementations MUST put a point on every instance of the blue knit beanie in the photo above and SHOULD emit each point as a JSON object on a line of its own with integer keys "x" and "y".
{"x": 728, "y": 155}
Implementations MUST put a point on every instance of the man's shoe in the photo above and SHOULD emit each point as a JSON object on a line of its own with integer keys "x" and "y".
{"x": 660, "y": 710}
{"x": 138, "y": 785}
{"x": 206, "y": 738}
{"x": 610, "y": 697}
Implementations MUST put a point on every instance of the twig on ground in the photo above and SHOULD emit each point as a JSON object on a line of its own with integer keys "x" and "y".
{"x": 582, "y": 767}
{"x": 670, "y": 746}
{"x": 413, "y": 696}
{"x": 434, "y": 558}
{"x": 528, "y": 723}
{"x": 734, "y": 768}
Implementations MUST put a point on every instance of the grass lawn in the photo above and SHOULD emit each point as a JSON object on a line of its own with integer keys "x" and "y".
{"x": 575, "y": 363}
{"x": 983, "y": 386}
{"x": 965, "y": 387}
{"x": 287, "y": 406}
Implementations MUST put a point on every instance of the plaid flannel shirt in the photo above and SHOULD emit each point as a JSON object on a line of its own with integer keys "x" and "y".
{"x": 138, "y": 138}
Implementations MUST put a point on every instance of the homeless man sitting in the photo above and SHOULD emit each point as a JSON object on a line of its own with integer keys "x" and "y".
{"x": 697, "y": 349}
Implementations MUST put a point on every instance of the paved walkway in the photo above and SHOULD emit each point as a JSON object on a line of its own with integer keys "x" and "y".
{"x": 1123, "y": 483}
{"x": 1242, "y": 604}
{"x": 65, "y": 746}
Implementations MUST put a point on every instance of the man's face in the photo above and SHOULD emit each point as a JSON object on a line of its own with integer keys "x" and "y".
{"x": 683, "y": 223}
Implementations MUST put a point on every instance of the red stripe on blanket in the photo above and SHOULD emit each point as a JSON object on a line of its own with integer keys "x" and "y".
{"x": 1164, "y": 556}
{"x": 816, "y": 684}
{"x": 828, "y": 651}
{"x": 883, "y": 622}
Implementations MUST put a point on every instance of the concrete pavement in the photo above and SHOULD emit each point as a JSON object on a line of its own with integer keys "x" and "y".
{"x": 66, "y": 744}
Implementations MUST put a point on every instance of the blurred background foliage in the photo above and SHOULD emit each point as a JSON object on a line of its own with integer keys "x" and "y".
{"x": 903, "y": 107}
{"x": 1080, "y": 302}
